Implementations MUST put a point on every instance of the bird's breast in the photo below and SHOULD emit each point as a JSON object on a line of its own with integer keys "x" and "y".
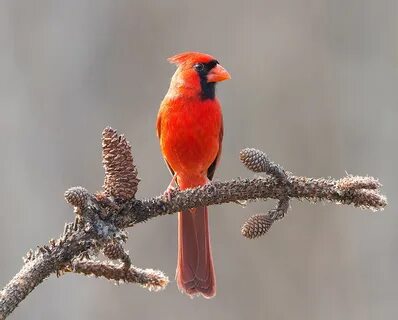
{"x": 190, "y": 134}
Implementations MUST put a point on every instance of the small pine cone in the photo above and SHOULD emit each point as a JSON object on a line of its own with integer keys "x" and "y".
{"x": 77, "y": 196}
{"x": 120, "y": 172}
{"x": 255, "y": 160}
{"x": 256, "y": 226}
{"x": 114, "y": 251}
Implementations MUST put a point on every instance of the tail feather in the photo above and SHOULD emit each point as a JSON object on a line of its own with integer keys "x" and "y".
{"x": 195, "y": 271}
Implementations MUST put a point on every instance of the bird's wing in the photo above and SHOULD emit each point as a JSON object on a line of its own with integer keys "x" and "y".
{"x": 158, "y": 131}
{"x": 159, "y": 123}
{"x": 213, "y": 166}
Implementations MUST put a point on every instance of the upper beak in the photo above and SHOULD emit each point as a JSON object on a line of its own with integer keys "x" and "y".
{"x": 217, "y": 74}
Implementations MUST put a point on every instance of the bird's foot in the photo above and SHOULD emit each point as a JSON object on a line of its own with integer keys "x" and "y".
{"x": 171, "y": 189}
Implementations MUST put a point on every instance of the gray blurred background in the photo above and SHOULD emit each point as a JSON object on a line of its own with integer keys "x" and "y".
{"x": 314, "y": 84}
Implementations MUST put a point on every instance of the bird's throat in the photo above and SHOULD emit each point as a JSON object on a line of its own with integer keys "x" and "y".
{"x": 208, "y": 89}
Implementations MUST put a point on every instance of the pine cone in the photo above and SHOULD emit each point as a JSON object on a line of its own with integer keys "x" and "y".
{"x": 114, "y": 251}
{"x": 256, "y": 226}
{"x": 120, "y": 173}
{"x": 76, "y": 196}
{"x": 255, "y": 160}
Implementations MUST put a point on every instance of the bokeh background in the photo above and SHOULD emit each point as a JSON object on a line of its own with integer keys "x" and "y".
{"x": 314, "y": 85}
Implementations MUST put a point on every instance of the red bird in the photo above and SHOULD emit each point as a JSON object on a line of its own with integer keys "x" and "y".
{"x": 190, "y": 129}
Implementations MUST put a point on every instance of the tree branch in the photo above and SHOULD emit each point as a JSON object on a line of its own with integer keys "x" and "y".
{"x": 154, "y": 280}
{"x": 42, "y": 263}
{"x": 101, "y": 218}
{"x": 302, "y": 188}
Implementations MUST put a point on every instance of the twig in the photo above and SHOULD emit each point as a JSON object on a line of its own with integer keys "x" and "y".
{"x": 154, "y": 280}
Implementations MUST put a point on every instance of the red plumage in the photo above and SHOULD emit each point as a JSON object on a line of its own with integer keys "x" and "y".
{"x": 190, "y": 129}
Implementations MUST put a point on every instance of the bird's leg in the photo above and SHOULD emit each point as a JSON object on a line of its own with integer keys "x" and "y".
{"x": 173, "y": 187}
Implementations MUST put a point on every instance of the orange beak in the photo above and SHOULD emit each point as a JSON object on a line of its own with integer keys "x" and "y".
{"x": 217, "y": 74}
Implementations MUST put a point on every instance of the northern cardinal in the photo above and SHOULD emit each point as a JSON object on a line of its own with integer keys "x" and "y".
{"x": 190, "y": 130}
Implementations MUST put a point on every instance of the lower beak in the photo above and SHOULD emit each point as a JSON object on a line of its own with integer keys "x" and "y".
{"x": 217, "y": 74}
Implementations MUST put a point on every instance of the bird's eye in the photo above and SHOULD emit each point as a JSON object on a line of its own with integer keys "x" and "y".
{"x": 199, "y": 66}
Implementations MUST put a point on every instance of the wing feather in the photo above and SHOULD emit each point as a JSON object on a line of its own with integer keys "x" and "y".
{"x": 213, "y": 166}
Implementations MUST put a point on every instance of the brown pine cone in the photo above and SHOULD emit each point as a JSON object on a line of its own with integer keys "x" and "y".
{"x": 256, "y": 226}
{"x": 77, "y": 196}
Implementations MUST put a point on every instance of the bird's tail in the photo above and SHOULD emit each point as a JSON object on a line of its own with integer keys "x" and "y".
{"x": 195, "y": 271}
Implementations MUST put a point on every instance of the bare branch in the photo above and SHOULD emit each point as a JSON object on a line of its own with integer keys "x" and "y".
{"x": 43, "y": 263}
{"x": 100, "y": 219}
{"x": 153, "y": 280}
{"x": 302, "y": 188}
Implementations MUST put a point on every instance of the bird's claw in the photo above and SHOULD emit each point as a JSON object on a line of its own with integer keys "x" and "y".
{"x": 171, "y": 189}
{"x": 168, "y": 194}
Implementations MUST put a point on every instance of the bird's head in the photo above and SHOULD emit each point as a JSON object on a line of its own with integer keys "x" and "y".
{"x": 198, "y": 72}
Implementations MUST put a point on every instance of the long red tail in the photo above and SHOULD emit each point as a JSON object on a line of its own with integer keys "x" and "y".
{"x": 195, "y": 270}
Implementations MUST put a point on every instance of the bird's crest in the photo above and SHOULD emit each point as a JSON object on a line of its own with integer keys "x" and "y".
{"x": 190, "y": 57}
